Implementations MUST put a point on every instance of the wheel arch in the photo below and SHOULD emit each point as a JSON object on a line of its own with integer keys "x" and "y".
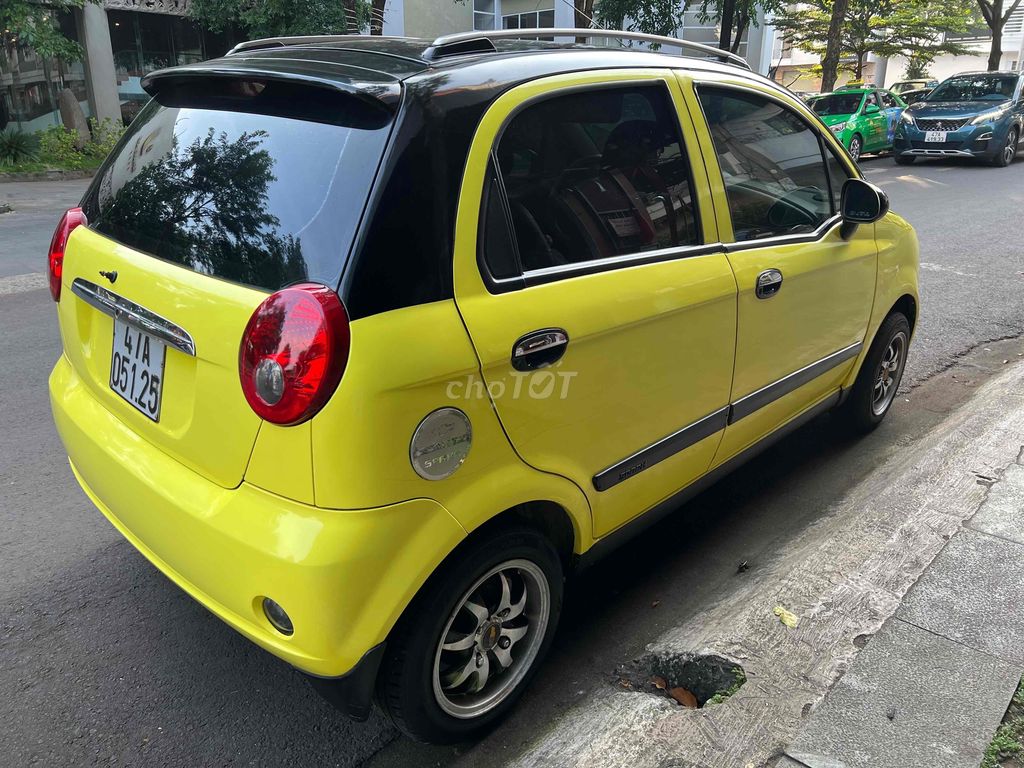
{"x": 906, "y": 304}
{"x": 549, "y": 518}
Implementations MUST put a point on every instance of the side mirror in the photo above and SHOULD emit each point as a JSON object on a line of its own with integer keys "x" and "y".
{"x": 861, "y": 203}
{"x": 870, "y": 109}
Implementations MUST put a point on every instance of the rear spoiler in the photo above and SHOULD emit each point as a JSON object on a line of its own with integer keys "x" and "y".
{"x": 384, "y": 95}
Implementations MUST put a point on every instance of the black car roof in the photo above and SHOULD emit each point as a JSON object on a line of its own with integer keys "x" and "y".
{"x": 376, "y": 66}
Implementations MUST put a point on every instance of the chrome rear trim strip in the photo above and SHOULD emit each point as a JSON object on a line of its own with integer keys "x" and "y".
{"x": 134, "y": 315}
{"x": 772, "y": 392}
{"x": 661, "y": 450}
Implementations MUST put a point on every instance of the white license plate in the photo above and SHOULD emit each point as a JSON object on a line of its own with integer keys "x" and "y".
{"x": 934, "y": 135}
{"x": 137, "y": 368}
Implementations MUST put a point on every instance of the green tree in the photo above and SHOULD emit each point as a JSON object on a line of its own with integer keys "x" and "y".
{"x": 35, "y": 25}
{"x": 734, "y": 17}
{"x": 914, "y": 29}
{"x": 275, "y": 18}
{"x": 996, "y": 13}
{"x": 652, "y": 17}
{"x": 917, "y": 67}
{"x": 664, "y": 17}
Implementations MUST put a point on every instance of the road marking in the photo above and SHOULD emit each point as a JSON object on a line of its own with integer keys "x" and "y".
{"x": 22, "y": 283}
{"x": 930, "y": 267}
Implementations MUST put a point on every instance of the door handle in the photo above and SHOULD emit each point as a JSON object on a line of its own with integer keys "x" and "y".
{"x": 768, "y": 284}
{"x": 539, "y": 349}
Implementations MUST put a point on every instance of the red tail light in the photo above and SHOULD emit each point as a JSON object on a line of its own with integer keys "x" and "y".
{"x": 72, "y": 218}
{"x": 293, "y": 353}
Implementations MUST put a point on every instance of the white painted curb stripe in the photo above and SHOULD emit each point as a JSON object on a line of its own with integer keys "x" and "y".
{"x": 22, "y": 283}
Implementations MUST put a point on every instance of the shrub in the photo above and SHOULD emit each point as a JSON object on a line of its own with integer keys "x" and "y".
{"x": 57, "y": 146}
{"x": 105, "y": 134}
{"x": 16, "y": 147}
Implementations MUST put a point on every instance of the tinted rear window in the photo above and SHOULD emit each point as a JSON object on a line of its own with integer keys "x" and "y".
{"x": 258, "y": 183}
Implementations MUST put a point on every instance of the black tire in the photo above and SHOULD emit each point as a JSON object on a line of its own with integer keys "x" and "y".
{"x": 1007, "y": 152}
{"x": 856, "y": 147}
{"x": 863, "y": 411}
{"x": 904, "y": 159}
{"x": 406, "y": 683}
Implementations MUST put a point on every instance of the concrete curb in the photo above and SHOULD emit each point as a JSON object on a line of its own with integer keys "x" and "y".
{"x": 844, "y": 576}
{"x": 54, "y": 175}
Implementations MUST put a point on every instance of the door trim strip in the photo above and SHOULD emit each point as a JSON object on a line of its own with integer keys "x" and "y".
{"x": 612, "y": 540}
{"x": 720, "y": 419}
{"x": 768, "y": 394}
{"x": 134, "y": 315}
{"x": 661, "y": 450}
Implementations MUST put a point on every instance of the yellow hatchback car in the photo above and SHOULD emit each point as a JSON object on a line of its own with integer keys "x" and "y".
{"x": 369, "y": 342}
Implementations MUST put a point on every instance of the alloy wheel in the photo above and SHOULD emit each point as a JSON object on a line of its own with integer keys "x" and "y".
{"x": 1010, "y": 150}
{"x": 491, "y": 639}
{"x": 888, "y": 374}
{"x": 855, "y": 148}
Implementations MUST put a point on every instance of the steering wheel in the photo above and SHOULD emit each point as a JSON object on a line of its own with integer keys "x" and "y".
{"x": 797, "y": 208}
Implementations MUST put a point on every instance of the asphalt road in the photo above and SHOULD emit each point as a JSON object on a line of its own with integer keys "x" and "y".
{"x": 102, "y": 660}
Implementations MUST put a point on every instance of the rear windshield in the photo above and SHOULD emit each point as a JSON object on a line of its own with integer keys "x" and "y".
{"x": 837, "y": 104}
{"x": 260, "y": 183}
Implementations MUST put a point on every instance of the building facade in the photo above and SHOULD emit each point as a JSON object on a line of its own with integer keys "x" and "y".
{"x": 122, "y": 40}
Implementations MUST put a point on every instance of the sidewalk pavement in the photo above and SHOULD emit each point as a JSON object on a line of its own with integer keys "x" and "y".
{"x": 931, "y": 688}
{"x": 921, "y": 566}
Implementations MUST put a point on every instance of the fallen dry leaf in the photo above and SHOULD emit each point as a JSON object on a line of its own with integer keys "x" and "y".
{"x": 656, "y": 603}
{"x": 791, "y": 620}
{"x": 684, "y": 697}
{"x": 659, "y": 682}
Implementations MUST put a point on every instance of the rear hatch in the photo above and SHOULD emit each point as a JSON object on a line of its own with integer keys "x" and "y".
{"x": 222, "y": 191}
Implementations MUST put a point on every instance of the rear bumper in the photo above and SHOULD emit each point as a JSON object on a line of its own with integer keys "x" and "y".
{"x": 344, "y": 577}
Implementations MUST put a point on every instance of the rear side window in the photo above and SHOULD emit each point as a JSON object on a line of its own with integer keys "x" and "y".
{"x": 772, "y": 164}
{"x": 594, "y": 175}
{"x": 260, "y": 183}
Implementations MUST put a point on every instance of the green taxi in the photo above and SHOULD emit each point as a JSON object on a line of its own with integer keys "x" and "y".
{"x": 863, "y": 118}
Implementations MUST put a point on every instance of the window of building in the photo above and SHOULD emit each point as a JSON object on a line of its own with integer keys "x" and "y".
{"x": 30, "y": 84}
{"x": 595, "y": 175}
{"x": 529, "y": 20}
{"x": 145, "y": 42}
{"x": 772, "y": 164}
{"x": 483, "y": 14}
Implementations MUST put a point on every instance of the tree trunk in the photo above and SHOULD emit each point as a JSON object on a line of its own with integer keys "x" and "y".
{"x": 583, "y": 17}
{"x": 727, "y": 21}
{"x": 351, "y": 20}
{"x": 833, "y": 45}
{"x": 995, "y": 54}
{"x": 859, "y": 70}
{"x": 377, "y": 17}
{"x": 583, "y": 14}
{"x": 742, "y": 22}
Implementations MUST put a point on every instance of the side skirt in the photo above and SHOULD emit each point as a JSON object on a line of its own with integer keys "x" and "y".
{"x": 664, "y": 508}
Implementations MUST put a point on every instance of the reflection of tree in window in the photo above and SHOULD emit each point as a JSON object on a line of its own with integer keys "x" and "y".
{"x": 205, "y": 206}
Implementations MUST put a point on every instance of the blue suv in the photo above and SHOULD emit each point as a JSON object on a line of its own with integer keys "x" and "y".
{"x": 973, "y": 114}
